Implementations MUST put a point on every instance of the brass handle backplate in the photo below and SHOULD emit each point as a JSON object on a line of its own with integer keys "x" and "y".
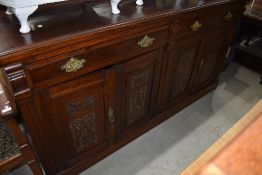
{"x": 73, "y": 65}
{"x": 228, "y": 16}
{"x": 146, "y": 41}
{"x": 110, "y": 115}
{"x": 196, "y": 26}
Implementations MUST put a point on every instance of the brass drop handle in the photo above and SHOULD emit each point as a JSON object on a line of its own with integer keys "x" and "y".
{"x": 196, "y": 26}
{"x": 228, "y": 16}
{"x": 110, "y": 115}
{"x": 73, "y": 65}
{"x": 146, "y": 41}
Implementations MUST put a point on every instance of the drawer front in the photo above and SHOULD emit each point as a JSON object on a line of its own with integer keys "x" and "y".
{"x": 197, "y": 23}
{"x": 89, "y": 59}
{"x": 225, "y": 15}
{"x": 200, "y": 22}
{"x": 193, "y": 23}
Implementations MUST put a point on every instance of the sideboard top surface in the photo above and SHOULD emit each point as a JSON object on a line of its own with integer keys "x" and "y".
{"x": 58, "y": 24}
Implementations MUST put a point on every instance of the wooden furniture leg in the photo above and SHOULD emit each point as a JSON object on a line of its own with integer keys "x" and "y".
{"x": 7, "y": 113}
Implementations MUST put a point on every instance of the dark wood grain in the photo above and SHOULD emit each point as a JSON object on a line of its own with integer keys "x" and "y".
{"x": 182, "y": 62}
{"x": 139, "y": 78}
{"x": 86, "y": 22}
{"x": 123, "y": 89}
{"x": 211, "y": 58}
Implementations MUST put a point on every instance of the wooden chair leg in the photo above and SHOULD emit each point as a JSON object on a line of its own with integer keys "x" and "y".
{"x": 31, "y": 161}
{"x": 25, "y": 149}
{"x": 34, "y": 166}
{"x": 8, "y": 111}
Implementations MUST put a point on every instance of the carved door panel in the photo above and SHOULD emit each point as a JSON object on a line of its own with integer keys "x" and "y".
{"x": 211, "y": 60}
{"x": 139, "y": 82}
{"x": 180, "y": 69}
{"x": 79, "y": 114}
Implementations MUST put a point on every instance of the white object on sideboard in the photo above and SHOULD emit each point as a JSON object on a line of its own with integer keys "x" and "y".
{"x": 24, "y": 8}
{"x": 114, "y": 4}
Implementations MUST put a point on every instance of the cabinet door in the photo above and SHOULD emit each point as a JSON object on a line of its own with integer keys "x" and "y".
{"x": 212, "y": 58}
{"x": 139, "y": 82}
{"x": 180, "y": 69}
{"x": 78, "y": 115}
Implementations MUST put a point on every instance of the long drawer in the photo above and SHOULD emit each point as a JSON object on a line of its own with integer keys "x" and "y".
{"x": 73, "y": 64}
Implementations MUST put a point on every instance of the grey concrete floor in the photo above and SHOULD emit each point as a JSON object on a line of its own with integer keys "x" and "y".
{"x": 173, "y": 145}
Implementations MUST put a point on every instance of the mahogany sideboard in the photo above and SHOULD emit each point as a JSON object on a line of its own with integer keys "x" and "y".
{"x": 87, "y": 82}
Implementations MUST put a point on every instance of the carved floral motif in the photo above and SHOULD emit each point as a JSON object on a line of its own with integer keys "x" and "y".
{"x": 137, "y": 104}
{"x": 83, "y": 131}
{"x": 139, "y": 89}
{"x": 72, "y": 108}
{"x": 140, "y": 79}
